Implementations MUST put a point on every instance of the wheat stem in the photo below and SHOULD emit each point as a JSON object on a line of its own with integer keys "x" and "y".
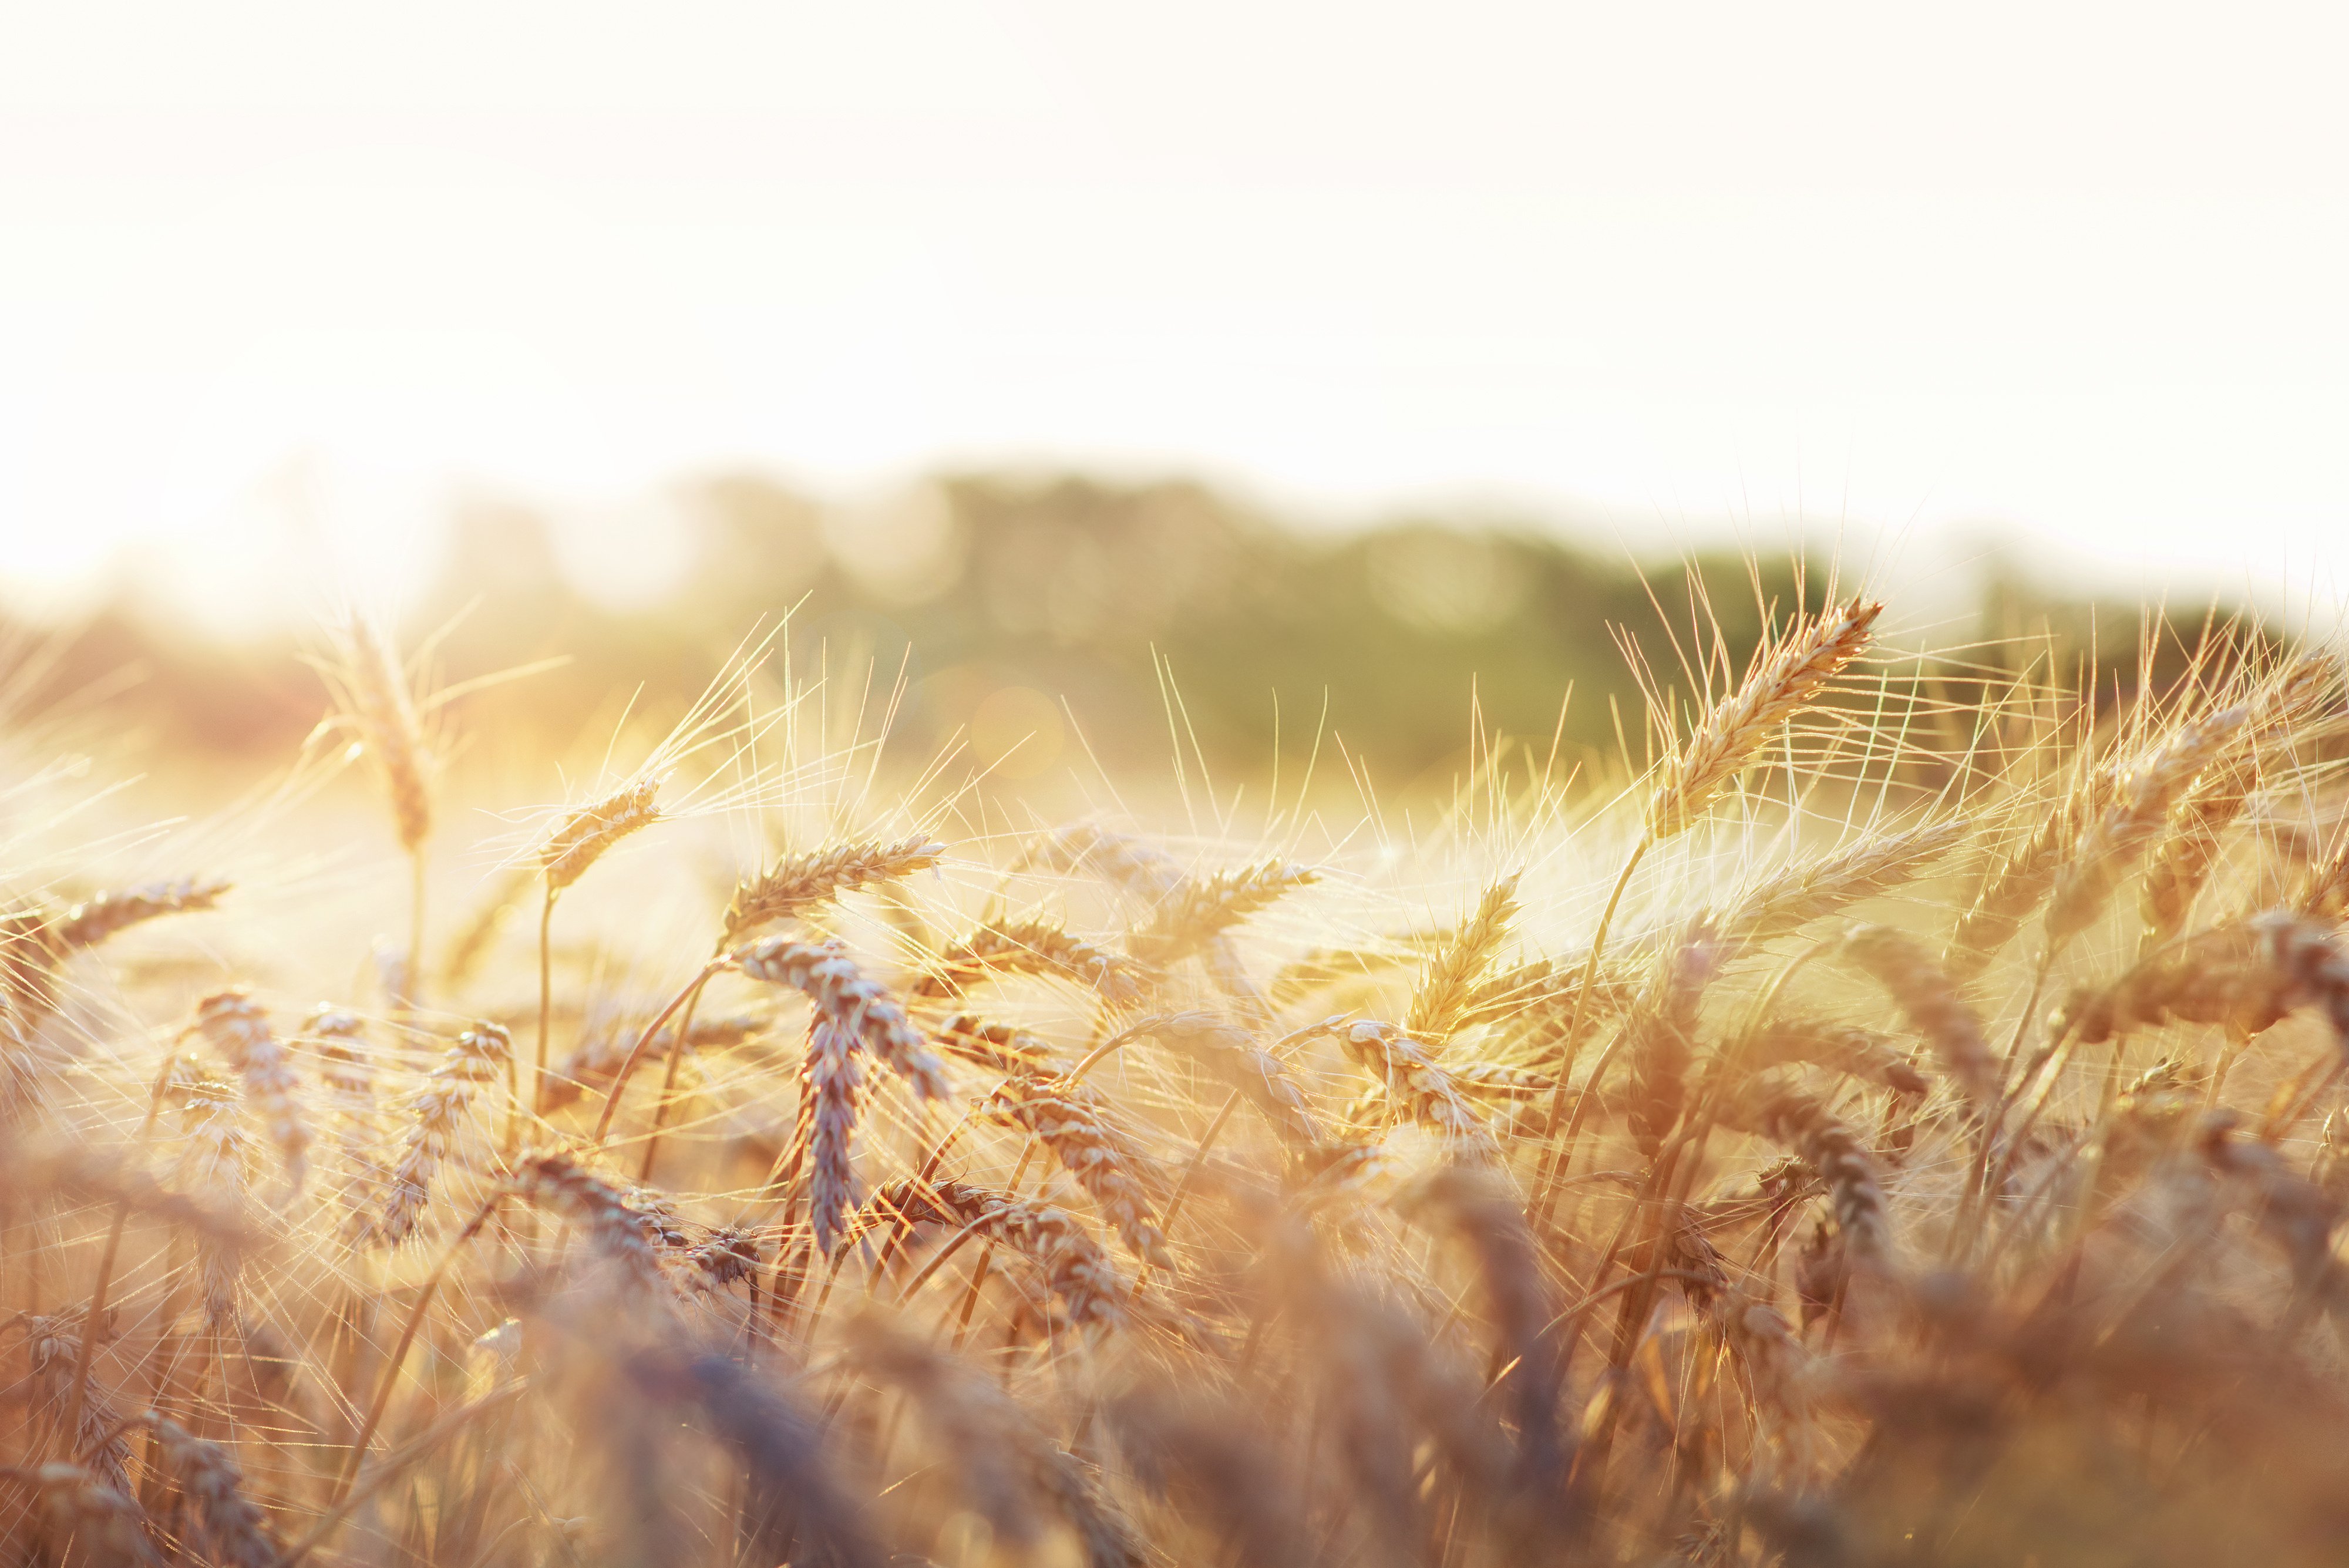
{"x": 93, "y": 1319}
{"x": 1560, "y": 1152}
{"x": 676, "y": 1039}
{"x": 414, "y": 989}
{"x": 382, "y": 1400}
{"x": 545, "y": 1001}
{"x": 643, "y": 1042}
{"x": 400, "y": 1458}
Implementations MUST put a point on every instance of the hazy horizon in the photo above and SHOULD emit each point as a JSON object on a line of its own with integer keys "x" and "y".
{"x": 2062, "y": 274}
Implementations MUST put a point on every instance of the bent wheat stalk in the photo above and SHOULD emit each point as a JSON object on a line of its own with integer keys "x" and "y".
{"x": 1782, "y": 681}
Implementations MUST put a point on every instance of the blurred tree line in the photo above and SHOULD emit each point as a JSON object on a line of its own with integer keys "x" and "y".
{"x": 1113, "y": 599}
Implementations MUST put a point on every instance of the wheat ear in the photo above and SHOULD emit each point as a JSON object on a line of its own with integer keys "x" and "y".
{"x": 2313, "y": 966}
{"x": 2114, "y": 841}
{"x": 238, "y": 1029}
{"x": 213, "y": 1162}
{"x": 576, "y": 841}
{"x": 1412, "y": 1078}
{"x": 1070, "y": 1121}
{"x": 1814, "y": 889}
{"x": 800, "y": 882}
{"x": 1783, "y": 680}
{"x": 369, "y": 682}
{"x": 104, "y": 1280}
{"x": 1232, "y": 1053}
{"x": 1442, "y": 999}
{"x": 2187, "y": 850}
{"x": 96, "y": 920}
{"x": 1901, "y": 964}
{"x": 1841, "y": 1048}
{"x": 1801, "y": 1121}
{"x": 1660, "y": 1036}
{"x": 1032, "y": 946}
{"x": 553, "y": 1180}
{"x": 80, "y": 1416}
{"x": 99, "y": 1515}
{"x": 229, "y": 1524}
{"x": 1201, "y": 908}
{"x": 436, "y": 1115}
{"x": 999, "y": 1047}
{"x": 1478, "y": 1206}
{"x": 863, "y": 1008}
{"x": 1076, "y": 1268}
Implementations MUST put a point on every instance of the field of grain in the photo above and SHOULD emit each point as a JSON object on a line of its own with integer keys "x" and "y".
{"x": 1889, "y": 1112}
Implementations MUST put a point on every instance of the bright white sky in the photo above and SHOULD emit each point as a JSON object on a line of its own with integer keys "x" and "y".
{"x": 2080, "y": 273}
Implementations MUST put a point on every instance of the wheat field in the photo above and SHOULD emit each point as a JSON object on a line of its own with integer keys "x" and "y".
{"x": 1890, "y": 1111}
